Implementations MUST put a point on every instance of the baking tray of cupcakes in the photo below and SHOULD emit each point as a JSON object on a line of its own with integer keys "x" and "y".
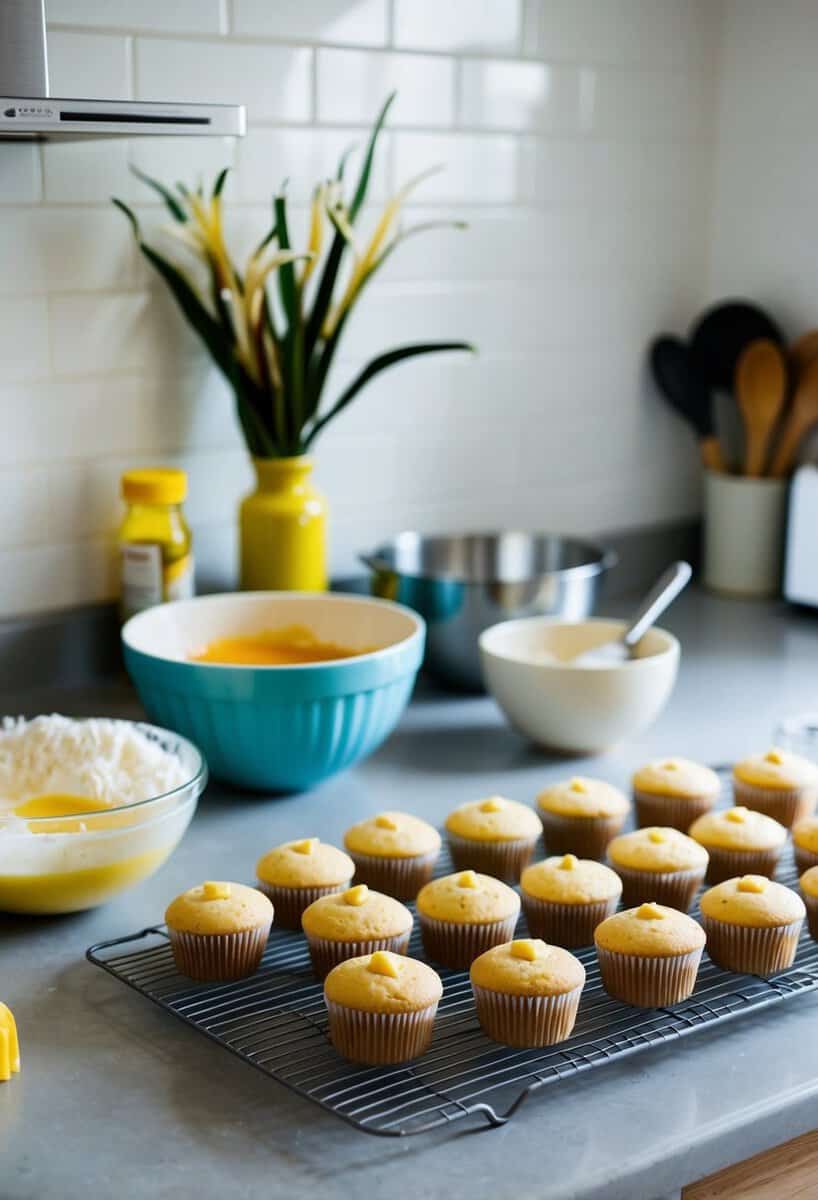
{"x": 405, "y": 981}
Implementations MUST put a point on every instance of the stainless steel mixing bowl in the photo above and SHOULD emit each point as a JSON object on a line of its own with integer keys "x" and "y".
{"x": 463, "y": 584}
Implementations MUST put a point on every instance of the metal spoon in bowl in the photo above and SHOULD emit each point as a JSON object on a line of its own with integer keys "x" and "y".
{"x": 663, "y": 593}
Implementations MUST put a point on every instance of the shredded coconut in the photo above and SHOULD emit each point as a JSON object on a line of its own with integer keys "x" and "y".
{"x": 111, "y": 762}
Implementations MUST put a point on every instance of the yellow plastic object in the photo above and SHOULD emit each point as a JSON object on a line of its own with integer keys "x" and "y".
{"x": 283, "y": 529}
{"x": 156, "y": 545}
{"x": 383, "y": 963}
{"x": 493, "y": 804}
{"x": 467, "y": 879}
{"x": 753, "y": 883}
{"x": 9, "y": 1045}
{"x": 525, "y": 948}
{"x": 384, "y": 821}
{"x": 356, "y": 896}
{"x": 216, "y": 891}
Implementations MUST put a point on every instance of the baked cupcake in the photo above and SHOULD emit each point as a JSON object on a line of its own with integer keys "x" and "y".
{"x": 649, "y": 955}
{"x": 354, "y": 923}
{"x": 495, "y": 836}
{"x": 780, "y": 784}
{"x": 394, "y": 853}
{"x": 463, "y": 915}
{"x": 752, "y": 924}
{"x": 381, "y": 1007}
{"x": 805, "y": 844}
{"x": 527, "y": 993}
{"x": 580, "y": 816}
{"x": 809, "y": 890}
{"x": 219, "y": 930}
{"x": 297, "y": 873}
{"x": 674, "y": 792}
{"x": 565, "y": 898}
{"x": 663, "y": 865}
{"x": 739, "y": 842}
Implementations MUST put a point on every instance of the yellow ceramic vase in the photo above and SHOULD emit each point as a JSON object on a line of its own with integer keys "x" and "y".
{"x": 283, "y": 529}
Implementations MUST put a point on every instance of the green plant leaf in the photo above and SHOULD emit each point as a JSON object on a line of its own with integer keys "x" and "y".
{"x": 344, "y": 159}
{"x": 366, "y": 166}
{"x": 293, "y": 340}
{"x": 221, "y": 179}
{"x": 130, "y": 214}
{"x": 218, "y": 342}
{"x": 175, "y": 208}
{"x": 381, "y": 363}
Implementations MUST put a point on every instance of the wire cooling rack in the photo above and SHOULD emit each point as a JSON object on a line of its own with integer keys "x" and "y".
{"x": 276, "y": 1021}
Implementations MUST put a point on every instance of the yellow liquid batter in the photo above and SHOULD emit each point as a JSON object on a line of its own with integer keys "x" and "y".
{"x": 283, "y": 647}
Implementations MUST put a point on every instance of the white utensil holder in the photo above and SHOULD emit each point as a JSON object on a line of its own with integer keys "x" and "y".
{"x": 744, "y": 521}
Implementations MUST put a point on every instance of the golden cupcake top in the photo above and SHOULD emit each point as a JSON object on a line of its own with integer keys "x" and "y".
{"x": 356, "y": 915}
{"x": 805, "y": 834}
{"x": 383, "y": 983}
{"x": 738, "y": 828}
{"x": 652, "y": 930}
{"x": 468, "y": 898}
{"x": 565, "y": 879}
{"x": 217, "y": 907}
{"x": 809, "y": 882}
{"x": 583, "y": 797}
{"x": 752, "y": 900}
{"x": 656, "y": 849}
{"x": 494, "y": 819}
{"x": 392, "y": 835}
{"x": 777, "y": 769}
{"x": 307, "y": 862}
{"x": 528, "y": 967}
{"x": 676, "y": 777}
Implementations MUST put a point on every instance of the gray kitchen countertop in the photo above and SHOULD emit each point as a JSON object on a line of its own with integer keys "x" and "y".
{"x": 118, "y": 1098}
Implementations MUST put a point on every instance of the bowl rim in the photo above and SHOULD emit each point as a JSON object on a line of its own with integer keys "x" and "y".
{"x": 199, "y": 776}
{"x": 126, "y": 633}
{"x": 672, "y": 646}
{"x": 601, "y": 558}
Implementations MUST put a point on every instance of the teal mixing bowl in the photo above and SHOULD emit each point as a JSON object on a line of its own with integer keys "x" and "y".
{"x": 277, "y": 728}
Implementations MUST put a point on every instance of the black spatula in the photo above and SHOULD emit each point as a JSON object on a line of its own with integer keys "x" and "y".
{"x": 722, "y": 332}
{"x": 682, "y": 384}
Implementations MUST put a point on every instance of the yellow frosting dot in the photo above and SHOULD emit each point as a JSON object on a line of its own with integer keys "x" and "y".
{"x": 656, "y": 835}
{"x": 527, "y": 948}
{"x": 305, "y": 847}
{"x": 578, "y": 785}
{"x": 356, "y": 896}
{"x": 383, "y": 963}
{"x": 467, "y": 879}
{"x": 493, "y": 804}
{"x": 774, "y": 756}
{"x": 383, "y": 821}
{"x": 737, "y": 815}
{"x": 649, "y": 912}
{"x": 753, "y": 883}
{"x": 670, "y": 765}
{"x": 215, "y": 891}
{"x": 569, "y": 862}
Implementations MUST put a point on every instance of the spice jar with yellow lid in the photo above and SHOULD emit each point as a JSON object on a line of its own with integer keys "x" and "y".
{"x": 155, "y": 541}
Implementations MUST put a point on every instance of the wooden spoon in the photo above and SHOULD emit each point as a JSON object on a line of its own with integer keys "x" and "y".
{"x": 680, "y": 382}
{"x": 802, "y": 351}
{"x": 802, "y": 416}
{"x": 761, "y": 391}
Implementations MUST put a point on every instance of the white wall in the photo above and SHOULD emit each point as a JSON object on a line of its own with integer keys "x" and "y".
{"x": 576, "y": 138}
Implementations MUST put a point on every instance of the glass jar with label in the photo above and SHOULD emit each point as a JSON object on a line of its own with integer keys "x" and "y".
{"x": 155, "y": 542}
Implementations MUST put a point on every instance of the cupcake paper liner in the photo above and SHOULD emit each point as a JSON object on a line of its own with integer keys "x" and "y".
{"x": 586, "y": 837}
{"x": 458, "y": 945}
{"x": 679, "y": 812}
{"x": 326, "y": 954}
{"x": 503, "y": 860}
{"x": 784, "y": 805}
{"x": 812, "y": 914}
{"x": 380, "y": 1038}
{"x": 750, "y": 950}
{"x": 727, "y": 864}
{"x": 649, "y": 982}
{"x": 676, "y": 889}
{"x": 526, "y": 1021}
{"x": 289, "y": 902}
{"x": 399, "y": 877}
{"x": 568, "y": 925}
{"x": 804, "y": 859}
{"x": 218, "y": 956}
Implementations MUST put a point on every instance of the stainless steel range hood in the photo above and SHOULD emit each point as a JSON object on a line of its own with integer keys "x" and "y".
{"x": 28, "y": 112}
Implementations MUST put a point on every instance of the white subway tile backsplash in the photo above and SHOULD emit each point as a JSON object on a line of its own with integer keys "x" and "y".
{"x": 521, "y": 95}
{"x": 361, "y": 22}
{"x": 65, "y": 249}
{"x": 85, "y": 172}
{"x": 266, "y": 157}
{"x": 20, "y": 181}
{"x": 190, "y": 16}
{"x": 493, "y": 26}
{"x": 91, "y": 66}
{"x": 477, "y": 168}
{"x": 193, "y": 161}
{"x": 274, "y": 82}
{"x": 353, "y": 84}
{"x": 99, "y": 333}
{"x": 24, "y": 349}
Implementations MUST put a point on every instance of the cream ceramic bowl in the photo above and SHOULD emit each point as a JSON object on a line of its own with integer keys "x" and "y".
{"x": 581, "y": 709}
